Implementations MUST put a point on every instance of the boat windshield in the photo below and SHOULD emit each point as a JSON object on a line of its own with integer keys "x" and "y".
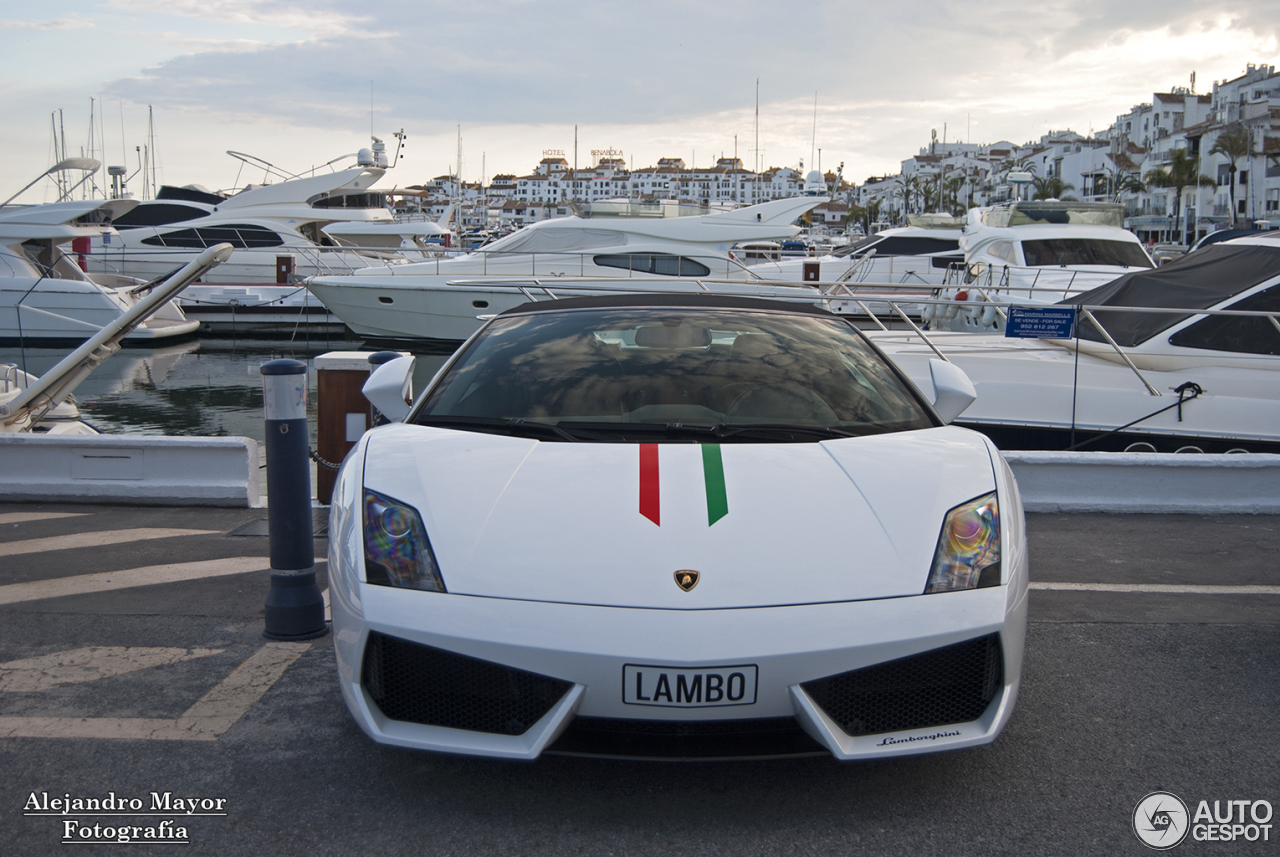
{"x": 1062, "y": 252}
{"x": 673, "y": 374}
{"x": 903, "y": 245}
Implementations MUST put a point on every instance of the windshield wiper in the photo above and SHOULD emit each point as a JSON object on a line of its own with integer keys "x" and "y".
{"x": 619, "y": 432}
{"x": 514, "y": 426}
{"x": 789, "y": 430}
{"x": 719, "y": 431}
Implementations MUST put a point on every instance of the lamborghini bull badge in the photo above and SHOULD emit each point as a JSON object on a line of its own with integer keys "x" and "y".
{"x": 686, "y": 579}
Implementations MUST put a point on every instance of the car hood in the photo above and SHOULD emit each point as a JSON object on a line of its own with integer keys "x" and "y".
{"x": 803, "y": 523}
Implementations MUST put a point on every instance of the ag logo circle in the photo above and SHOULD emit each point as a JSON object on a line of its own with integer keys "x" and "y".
{"x": 1161, "y": 820}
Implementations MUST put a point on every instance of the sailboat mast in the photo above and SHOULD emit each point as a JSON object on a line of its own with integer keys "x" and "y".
{"x": 755, "y": 164}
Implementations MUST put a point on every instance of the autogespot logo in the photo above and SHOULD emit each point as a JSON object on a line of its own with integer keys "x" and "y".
{"x": 1160, "y": 820}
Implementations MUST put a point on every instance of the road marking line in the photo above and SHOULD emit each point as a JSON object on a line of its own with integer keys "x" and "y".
{"x": 88, "y": 664}
{"x": 135, "y": 728}
{"x": 215, "y": 713}
{"x": 23, "y": 517}
{"x": 1159, "y": 588}
{"x": 81, "y": 584}
{"x": 93, "y": 540}
{"x": 324, "y": 594}
{"x": 219, "y": 709}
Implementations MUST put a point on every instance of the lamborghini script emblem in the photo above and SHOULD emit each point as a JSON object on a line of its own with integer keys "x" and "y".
{"x": 686, "y": 579}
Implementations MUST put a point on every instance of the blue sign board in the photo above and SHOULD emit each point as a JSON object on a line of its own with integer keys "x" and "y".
{"x": 1055, "y": 322}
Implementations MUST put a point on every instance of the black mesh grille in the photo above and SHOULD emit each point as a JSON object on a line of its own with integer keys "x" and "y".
{"x": 954, "y": 684}
{"x": 422, "y": 684}
{"x": 685, "y": 739}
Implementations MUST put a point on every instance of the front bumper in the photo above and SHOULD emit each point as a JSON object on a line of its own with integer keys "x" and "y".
{"x": 587, "y": 647}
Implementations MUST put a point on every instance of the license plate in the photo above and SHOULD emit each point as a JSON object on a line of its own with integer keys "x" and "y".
{"x": 699, "y": 687}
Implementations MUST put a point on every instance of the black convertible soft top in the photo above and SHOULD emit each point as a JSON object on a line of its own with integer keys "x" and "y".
{"x": 1200, "y": 280}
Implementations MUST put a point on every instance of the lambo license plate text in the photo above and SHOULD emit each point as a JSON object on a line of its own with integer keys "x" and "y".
{"x": 700, "y": 687}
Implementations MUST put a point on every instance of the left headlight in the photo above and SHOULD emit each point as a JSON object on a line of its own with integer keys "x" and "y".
{"x": 397, "y": 551}
{"x": 968, "y": 554}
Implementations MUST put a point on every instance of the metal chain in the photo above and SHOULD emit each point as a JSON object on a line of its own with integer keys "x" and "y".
{"x": 327, "y": 465}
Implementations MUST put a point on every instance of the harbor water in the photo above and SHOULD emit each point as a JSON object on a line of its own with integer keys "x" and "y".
{"x": 209, "y": 387}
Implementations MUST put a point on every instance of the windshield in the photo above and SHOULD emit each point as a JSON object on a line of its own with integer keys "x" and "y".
{"x": 680, "y": 374}
{"x": 858, "y": 246}
{"x": 1057, "y": 252}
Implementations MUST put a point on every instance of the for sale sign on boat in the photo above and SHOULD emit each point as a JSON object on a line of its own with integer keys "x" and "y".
{"x": 1056, "y": 322}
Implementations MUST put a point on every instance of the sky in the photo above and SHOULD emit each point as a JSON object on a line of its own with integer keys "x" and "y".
{"x": 299, "y": 84}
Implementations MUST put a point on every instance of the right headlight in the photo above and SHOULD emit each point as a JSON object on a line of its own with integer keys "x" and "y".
{"x": 968, "y": 554}
{"x": 397, "y": 551}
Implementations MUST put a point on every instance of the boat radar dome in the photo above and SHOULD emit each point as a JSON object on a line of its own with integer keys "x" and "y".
{"x": 364, "y": 158}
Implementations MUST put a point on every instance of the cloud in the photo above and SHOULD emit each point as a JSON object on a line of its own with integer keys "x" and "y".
{"x": 59, "y": 24}
{"x": 681, "y": 74}
{"x": 312, "y": 18}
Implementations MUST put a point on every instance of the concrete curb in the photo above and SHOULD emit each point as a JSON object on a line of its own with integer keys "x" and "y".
{"x": 133, "y": 469}
{"x": 224, "y": 471}
{"x": 1147, "y": 482}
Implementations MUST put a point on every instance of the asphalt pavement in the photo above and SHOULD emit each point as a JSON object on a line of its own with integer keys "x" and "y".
{"x": 132, "y": 665}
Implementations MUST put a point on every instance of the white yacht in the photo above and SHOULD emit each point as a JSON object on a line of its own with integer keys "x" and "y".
{"x": 1038, "y": 251}
{"x": 282, "y": 231}
{"x": 442, "y": 299}
{"x": 44, "y": 404}
{"x": 1176, "y": 368}
{"x": 920, "y": 253}
{"x": 45, "y": 295}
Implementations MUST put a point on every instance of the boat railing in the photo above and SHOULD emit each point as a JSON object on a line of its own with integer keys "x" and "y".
{"x": 826, "y": 294}
{"x": 1084, "y": 311}
{"x": 8, "y": 377}
{"x": 348, "y": 259}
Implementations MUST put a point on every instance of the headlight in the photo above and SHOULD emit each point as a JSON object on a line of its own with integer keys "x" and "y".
{"x": 968, "y": 554}
{"x": 396, "y": 549}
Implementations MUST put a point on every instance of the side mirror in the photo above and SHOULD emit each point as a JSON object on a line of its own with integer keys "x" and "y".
{"x": 390, "y": 388}
{"x": 952, "y": 390}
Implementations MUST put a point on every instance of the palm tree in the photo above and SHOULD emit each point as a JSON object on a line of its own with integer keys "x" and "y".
{"x": 912, "y": 185}
{"x": 1183, "y": 172}
{"x": 952, "y": 193}
{"x": 870, "y": 214}
{"x": 1127, "y": 183}
{"x": 1234, "y": 142}
{"x": 1051, "y": 187}
{"x": 929, "y": 195}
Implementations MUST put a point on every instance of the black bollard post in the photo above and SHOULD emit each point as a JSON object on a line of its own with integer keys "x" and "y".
{"x": 294, "y": 608}
{"x": 376, "y": 359}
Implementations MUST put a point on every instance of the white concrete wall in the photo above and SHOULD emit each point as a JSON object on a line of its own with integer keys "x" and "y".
{"x": 1147, "y": 482}
{"x": 133, "y": 469}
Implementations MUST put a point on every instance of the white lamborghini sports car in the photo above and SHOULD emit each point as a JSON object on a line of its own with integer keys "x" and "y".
{"x": 676, "y": 526}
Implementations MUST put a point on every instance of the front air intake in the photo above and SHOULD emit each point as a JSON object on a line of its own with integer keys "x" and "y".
{"x": 422, "y": 684}
{"x": 686, "y": 739}
{"x": 954, "y": 684}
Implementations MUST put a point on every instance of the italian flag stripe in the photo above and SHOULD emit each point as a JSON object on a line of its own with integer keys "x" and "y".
{"x": 712, "y": 475}
{"x": 650, "y": 505}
